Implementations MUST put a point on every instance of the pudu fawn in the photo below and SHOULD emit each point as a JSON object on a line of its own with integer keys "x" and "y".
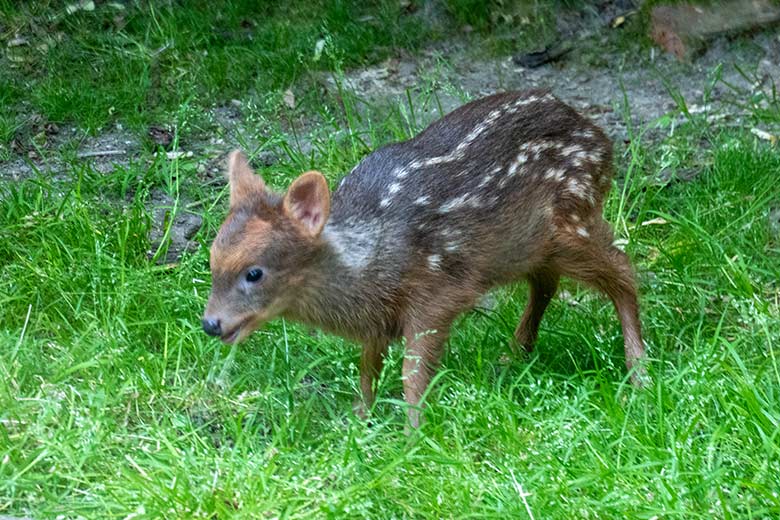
{"x": 505, "y": 188}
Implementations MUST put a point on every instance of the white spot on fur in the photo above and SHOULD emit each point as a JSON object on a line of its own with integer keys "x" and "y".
{"x": 355, "y": 243}
{"x": 584, "y": 156}
{"x": 454, "y": 203}
{"x": 433, "y": 161}
{"x": 385, "y": 202}
{"x": 579, "y": 190}
{"x": 434, "y": 262}
{"x": 555, "y": 174}
{"x": 574, "y": 217}
{"x": 489, "y": 177}
{"x": 451, "y": 246}
{"x": 421, "y": 201}
{"x": 394, "y": 188}
{"x": 525, "y": 101}
{"x": 584, "y": 134}
{"x": 536, "y": 149}
{"x": 485, "y": 180}
{"x": 581, "y": 231}
{"x": 517, "y": 163}
{"x": 402, "y": 171}
{"x": 576, "y": 189}
{"x": 460, "y": 150}
{"x": 587, "y": 181}
{"x": 571, "y": 149}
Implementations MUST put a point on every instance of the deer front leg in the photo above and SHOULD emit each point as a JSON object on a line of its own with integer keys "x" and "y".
{"x": 421, "y": 359}
{"x": 372, "y": 358}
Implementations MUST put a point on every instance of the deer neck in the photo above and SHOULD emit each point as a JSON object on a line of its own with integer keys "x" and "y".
{"x": 347, "y": 293}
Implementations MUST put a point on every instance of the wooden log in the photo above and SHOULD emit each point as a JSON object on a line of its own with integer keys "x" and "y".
{"x": 682, "y": 29}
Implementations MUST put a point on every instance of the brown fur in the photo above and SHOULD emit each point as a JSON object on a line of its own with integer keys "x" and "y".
{"x": 233, "y": 259}
{"x": 506, "y": 188}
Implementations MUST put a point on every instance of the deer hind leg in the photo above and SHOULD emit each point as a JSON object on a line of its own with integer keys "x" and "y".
{"x": 542, "y": 285}
{"x": 587, "y": 254}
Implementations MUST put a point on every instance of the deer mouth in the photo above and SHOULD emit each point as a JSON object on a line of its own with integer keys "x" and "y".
{"x": 241, "y": 331}
{"x": 235, "y": 335}
{"x": 230, "y": 337}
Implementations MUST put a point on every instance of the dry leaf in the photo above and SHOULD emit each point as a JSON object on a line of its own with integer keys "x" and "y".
{"x": 289, "y": 98}
{"x": 161, "y": 136}
{"x": 761, "y": 134}
{"x": 83, "y": 5}
{"x": 178, "y": 154}
{"x": 698, "y": 109}
{"x": 620, "y": 243}
{"x": 621, "y": 19}
{"x": 18, "y": 42}
{"x": 657, "y": 221}
{"x": 318, "y": 48}
{"x": 568, "y": 298}
{"x": 16, "y": 58}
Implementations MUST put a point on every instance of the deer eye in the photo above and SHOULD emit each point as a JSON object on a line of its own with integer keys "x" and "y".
{"x": 254, "y": 275}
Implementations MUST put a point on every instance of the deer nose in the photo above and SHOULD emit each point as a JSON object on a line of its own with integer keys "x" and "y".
{"x": 212, "y": 327}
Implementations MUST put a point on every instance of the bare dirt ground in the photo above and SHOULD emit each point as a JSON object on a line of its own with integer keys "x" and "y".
{"x": 611, "y": 88}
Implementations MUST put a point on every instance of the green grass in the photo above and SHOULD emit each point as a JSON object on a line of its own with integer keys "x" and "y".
{"x": 137, "y": 62}
{"x": 114, "y": 403}
{"x": 506, "y": 26}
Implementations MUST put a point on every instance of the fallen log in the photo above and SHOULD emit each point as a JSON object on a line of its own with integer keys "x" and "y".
{"x": 683, "y": 29}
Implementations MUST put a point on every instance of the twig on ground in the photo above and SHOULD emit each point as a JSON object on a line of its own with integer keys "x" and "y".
{"x": 100, "y": 153}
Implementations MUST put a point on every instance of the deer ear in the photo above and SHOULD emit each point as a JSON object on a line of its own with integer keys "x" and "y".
{"x": 307, "y": 202}
{"x": 244, "y": 183}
